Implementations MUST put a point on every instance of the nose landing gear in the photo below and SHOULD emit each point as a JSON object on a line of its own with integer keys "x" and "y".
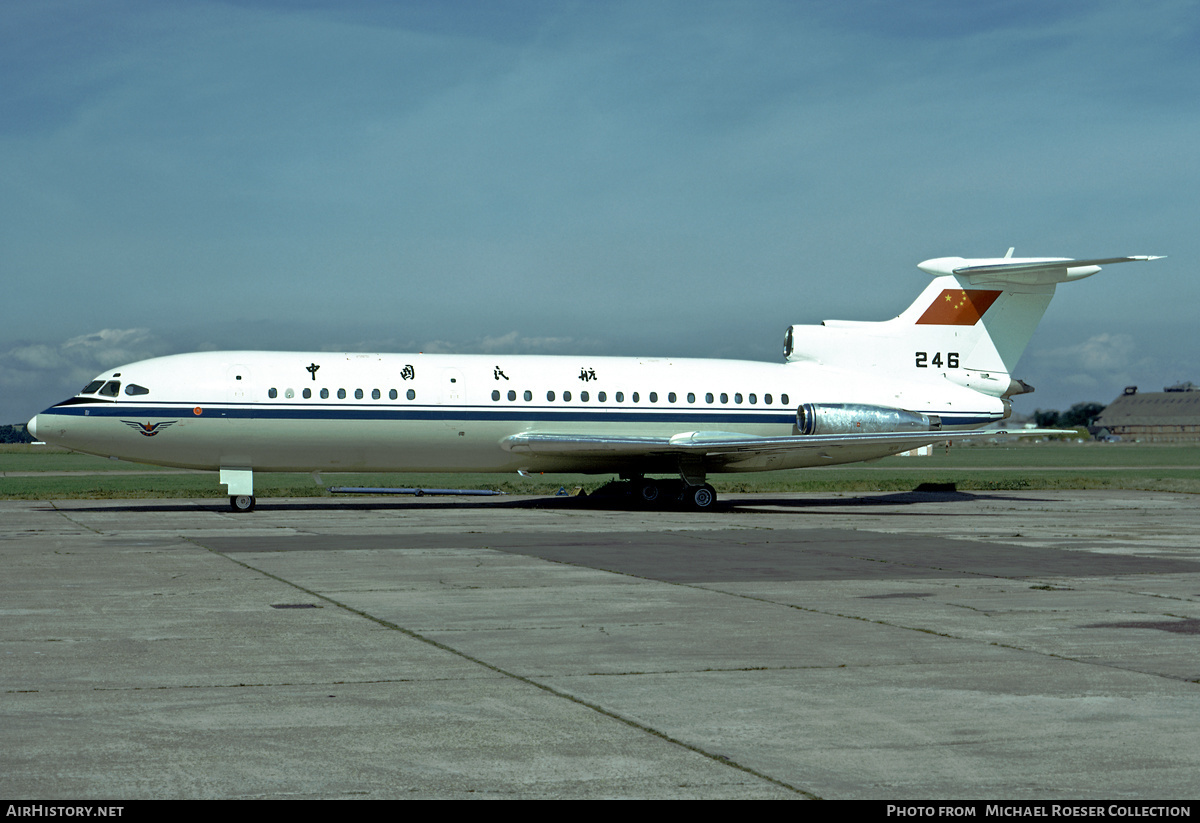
{"x": 242, "y": 502}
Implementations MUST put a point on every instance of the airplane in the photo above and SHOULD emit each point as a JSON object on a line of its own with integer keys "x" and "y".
{"x": 846, "y": 391}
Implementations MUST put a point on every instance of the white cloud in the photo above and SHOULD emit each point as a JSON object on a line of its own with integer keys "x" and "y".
{"x": 34, "y": 375}
{"x": 512, "y": 342}
{"x": 1102, "y": 360}
{"x": 1100, "y": 353}
{"x": 111, "y": 346}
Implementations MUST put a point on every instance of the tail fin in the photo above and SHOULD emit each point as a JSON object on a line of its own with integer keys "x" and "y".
{"x": 970, "y": 324}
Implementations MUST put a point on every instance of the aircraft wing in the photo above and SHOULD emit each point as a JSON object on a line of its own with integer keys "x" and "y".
{"x": 731, "y": 446}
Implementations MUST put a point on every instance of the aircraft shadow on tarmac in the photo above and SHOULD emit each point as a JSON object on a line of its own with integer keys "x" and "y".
{"x": 566, "y": 503}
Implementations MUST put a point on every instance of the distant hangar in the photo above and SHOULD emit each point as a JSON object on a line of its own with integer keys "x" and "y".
{"x": 1169, "y": 416}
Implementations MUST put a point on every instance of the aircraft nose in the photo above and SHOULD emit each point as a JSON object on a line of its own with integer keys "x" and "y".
{"x": 31, "y": 427}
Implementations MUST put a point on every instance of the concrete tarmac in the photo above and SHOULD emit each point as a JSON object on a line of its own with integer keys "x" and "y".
{"x": 1004, "y": 646}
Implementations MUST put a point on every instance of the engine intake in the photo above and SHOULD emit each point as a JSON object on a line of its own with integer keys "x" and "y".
{"x": 855, "y": 418}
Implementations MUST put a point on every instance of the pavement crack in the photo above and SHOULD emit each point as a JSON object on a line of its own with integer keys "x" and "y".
{"x": 559, "y": 693}
{"x": 72, "y": 520}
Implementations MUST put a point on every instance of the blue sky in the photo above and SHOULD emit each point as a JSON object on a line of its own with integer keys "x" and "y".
{"x": 663, "y": 178}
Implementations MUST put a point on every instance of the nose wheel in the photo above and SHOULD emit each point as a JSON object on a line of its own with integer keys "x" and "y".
{"x": 242, "y": 502}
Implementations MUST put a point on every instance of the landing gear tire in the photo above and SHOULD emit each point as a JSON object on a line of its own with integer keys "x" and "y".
{"x": 242, "y": 502}
{"x": 649, "y": 492}
{"x": 700, "y": 498}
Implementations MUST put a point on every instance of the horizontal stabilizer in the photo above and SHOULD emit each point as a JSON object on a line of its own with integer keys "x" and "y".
{"x": 1023, "y": 270}
{"x": 1010, "y": 265}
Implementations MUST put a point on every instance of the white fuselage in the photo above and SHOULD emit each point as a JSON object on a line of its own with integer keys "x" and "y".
{"x": 321, "y": 411}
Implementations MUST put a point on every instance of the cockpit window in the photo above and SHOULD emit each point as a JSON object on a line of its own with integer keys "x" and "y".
{"x": 111, "y": 389}
{"x": 134, "y": 389}
{"x": 91, "y": 388}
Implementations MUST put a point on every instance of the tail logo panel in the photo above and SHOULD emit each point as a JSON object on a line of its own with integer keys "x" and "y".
{"x": 958, "y": 307}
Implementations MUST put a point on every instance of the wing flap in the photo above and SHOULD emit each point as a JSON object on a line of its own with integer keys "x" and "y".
{"x": 732, "y": 444}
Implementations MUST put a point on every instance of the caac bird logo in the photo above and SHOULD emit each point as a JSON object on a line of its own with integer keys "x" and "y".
{"x": 148, "y": 429}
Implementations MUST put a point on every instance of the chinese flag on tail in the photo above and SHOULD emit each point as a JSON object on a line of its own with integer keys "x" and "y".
{"x": 958, "y": 307}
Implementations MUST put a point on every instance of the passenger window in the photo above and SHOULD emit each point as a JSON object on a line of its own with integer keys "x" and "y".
{"x": 566, "y": 397}
{"x": 737, "y": 397}
{"x": 307, "y": 393}
{"x": 671, "y": 397}
{"x": 724, "y": 397}
{"x": 783, "y": 399}
{"x": 495, "y": 394}
{"x": 375, "y": 395}
{"x": 393, "y": 394}
{"x": 550, "y": 396}
{"x": 528, "y": 395}
{"x": 620, "y": 397}
{"x": 636, "y": 399}
{"x": 691, "y": 397}
{"x": 653, "y": 397}
{"x": 512, "y": 395}
{"x": 358, "y": 395}
{"x": 753, "y": 399}
{"x": 767, "y": 399}
{"x": 411, "y": 394}
{"x": 272, "y": 393}
{"x": 601, "y": 396}
{"x": 324, "y": 394}
{"x": 708, "y": 398}
{"x": 584, "y": 396}
{"x": 341, "y": 394}
{"x": 134, "y": 389}
{"x": 289, "y": 393}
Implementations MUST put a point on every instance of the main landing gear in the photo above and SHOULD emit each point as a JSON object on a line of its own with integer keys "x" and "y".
{"x": 702, "y": 498}
{"x": 654, "y": 493}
